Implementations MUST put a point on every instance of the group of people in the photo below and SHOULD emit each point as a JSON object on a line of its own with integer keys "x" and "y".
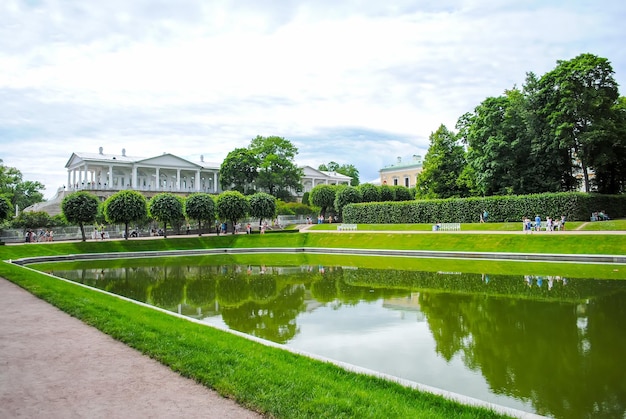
{"x": 551, "y": 223}
{"x": 599, "y": 216}
{"x": 40, "y": 236}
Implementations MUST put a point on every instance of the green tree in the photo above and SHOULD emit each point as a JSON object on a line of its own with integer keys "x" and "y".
{"x": 125, "y": 207}
{"x": 239, "y": 170}
{"x": 608, "y": 152}
{"x": 34, "y": 219}
{"x": 166, "y": 208}
{"x": 200, "y": 207}
{"x": 346, "y": 195}
{"x": 278, "y": 174}
{"x": 578, "y": 99}
{"x": 18, "y": 191}
{"x": 323, "y": 196}
{"x": 232, "y": 206}
{"x": 443, "y": 164}
{"x": 262, "y": 205}
{"x": 344, "y": 169}
{"x": 386, "y": 193}
{"x": 5, "y": 208}
{"x": 402, "y": 193}
{"x": 369, "y": 192}
{"x": 80, "y": 208}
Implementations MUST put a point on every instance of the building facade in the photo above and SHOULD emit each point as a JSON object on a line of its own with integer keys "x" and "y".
{"x": 403, "y": 173}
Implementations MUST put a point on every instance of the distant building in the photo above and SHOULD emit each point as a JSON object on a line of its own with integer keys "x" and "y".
{"x": 104, "y": 174}
{"x": 403, "y": 173}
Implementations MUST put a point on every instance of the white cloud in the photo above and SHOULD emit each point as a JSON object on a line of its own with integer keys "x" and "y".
{"x": 355, "y": 82}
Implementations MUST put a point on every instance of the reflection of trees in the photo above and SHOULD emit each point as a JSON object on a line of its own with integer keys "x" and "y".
{"x": 201, "y": 291}
{"x": 262, "y": 288}
{"x": 232, "y": 289}
{"x": 533, "y": 351}
{"x": 275, "y": 321}
{"x": 170, "y": 291}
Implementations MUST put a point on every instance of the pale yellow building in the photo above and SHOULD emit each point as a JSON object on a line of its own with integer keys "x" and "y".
{"x": 403, "y": 173}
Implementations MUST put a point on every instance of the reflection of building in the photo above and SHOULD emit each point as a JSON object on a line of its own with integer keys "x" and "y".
{"x": 406, "y": 304}
{"x": 402, "y": 173}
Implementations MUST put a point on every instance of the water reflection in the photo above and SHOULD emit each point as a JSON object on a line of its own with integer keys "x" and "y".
{"x": 547, "y": 344}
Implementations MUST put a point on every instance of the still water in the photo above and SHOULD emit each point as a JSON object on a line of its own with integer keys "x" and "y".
{"x": 550, "y": 345}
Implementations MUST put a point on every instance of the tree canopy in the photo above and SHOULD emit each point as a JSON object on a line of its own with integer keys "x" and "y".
{"x": 239, "y": 170}
{"x": 200, "y": 207}
{"x": 18, "y": 191}
{"x": 232, "y": 206}
{"x": 278, "y": 173}
{"x": 80, "y": 208}
{"x": 166, "y": 208}
{"x": 323, "y": 196}
{"x": 125, "y": 207}
{"x": 262, "y": 206}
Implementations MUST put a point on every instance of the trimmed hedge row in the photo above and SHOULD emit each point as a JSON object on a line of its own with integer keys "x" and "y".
{"x": 576, "y": 206}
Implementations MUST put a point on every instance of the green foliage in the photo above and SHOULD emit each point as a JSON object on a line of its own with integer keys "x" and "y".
{"x": 401, "y": 193}
{"x": 278, "y": 174}
{"x": 294, "y": 208}
{"x": 305, "y": 198}
{"x": 443, "y": 164}
{"x": 262, "y": 206}
{"x": 166, "y": 208}
{"x": 386, "y": 193}
{"x": 200, "y": 207}
{"x": 22, "y": 193}
{"x": 232, "y": 205}
{"x": 239, "y": 169}
{"x": 124, "y": 207}
{"x": 34, "y": 219}
{"x": 323, "y": 196}
{"x": 5, "y": 208}
{"x": 575, "y": 206}
{"x": 346, "y": 195}
{"x": 369, "y": 192}
{"x": 80, "y": 208}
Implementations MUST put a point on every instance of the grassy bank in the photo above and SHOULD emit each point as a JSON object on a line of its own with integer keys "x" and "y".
{"x": 269, "y": 380}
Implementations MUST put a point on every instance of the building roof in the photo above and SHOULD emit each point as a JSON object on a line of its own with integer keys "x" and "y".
{"x": 414, "y": 163}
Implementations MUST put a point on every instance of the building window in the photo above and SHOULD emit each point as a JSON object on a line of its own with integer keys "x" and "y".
{"x": 395, "y": 181}
{"x": 406, "y": 181}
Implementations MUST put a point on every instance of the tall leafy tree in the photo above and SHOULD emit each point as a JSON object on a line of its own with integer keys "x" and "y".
{"x": 442, "y": 167}
{"x": 5, "y": 208}
{"x": 200, "y": 207}
{"x": 18, "y": 191}
{"x": 578, "y": 98}
{"x": 125, "y": 207}
{"x": 232, "y": 206}
{"x": 80, "y": 208}
{"x": 323, "y": 196}
{"x": 346, "y": 195}
{"x": 239, "y": 170}
{"x": 166, "y": 208}
{"x": 262, "y": 206}
{"x": 278, "y": 174}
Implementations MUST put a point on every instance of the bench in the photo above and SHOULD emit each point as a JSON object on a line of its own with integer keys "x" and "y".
{"x": 346, "y": 227}
{"x": 447, "y": 227}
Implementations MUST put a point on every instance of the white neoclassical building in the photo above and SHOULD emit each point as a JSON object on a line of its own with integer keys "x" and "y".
{"x": 313, "y": 177}
{"x": 165, "y": 173}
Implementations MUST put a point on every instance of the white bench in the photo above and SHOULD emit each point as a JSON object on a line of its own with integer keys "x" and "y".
{"x": 447, "y": 227}
{"x": 346, "y": 227}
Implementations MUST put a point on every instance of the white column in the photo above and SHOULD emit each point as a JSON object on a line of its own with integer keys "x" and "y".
{"x": 110, "y": 181}
{"x": 197, "y": 180}
{"x": 133, "y": 182}
{"x": 158, "y": 180}
{"x": 85, "y": 178}
{"x": 215, "y": 182}
{"x": 69, "y": 185}
{"x": 178, "y": 179}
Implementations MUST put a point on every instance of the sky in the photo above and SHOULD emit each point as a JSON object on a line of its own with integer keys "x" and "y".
{"x": 355, "y": 82}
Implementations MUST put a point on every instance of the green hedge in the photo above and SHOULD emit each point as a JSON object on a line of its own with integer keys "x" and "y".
{"x": 576, "y": 206}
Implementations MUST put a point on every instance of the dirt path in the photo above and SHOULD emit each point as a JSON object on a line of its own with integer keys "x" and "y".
{"x": 54, "y": 366}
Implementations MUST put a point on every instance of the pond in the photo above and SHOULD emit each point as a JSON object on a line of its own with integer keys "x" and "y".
{"x": 546, "y": 344}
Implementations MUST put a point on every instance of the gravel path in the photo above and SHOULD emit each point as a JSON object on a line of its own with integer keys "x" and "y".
{"x": 54, "y": 366}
